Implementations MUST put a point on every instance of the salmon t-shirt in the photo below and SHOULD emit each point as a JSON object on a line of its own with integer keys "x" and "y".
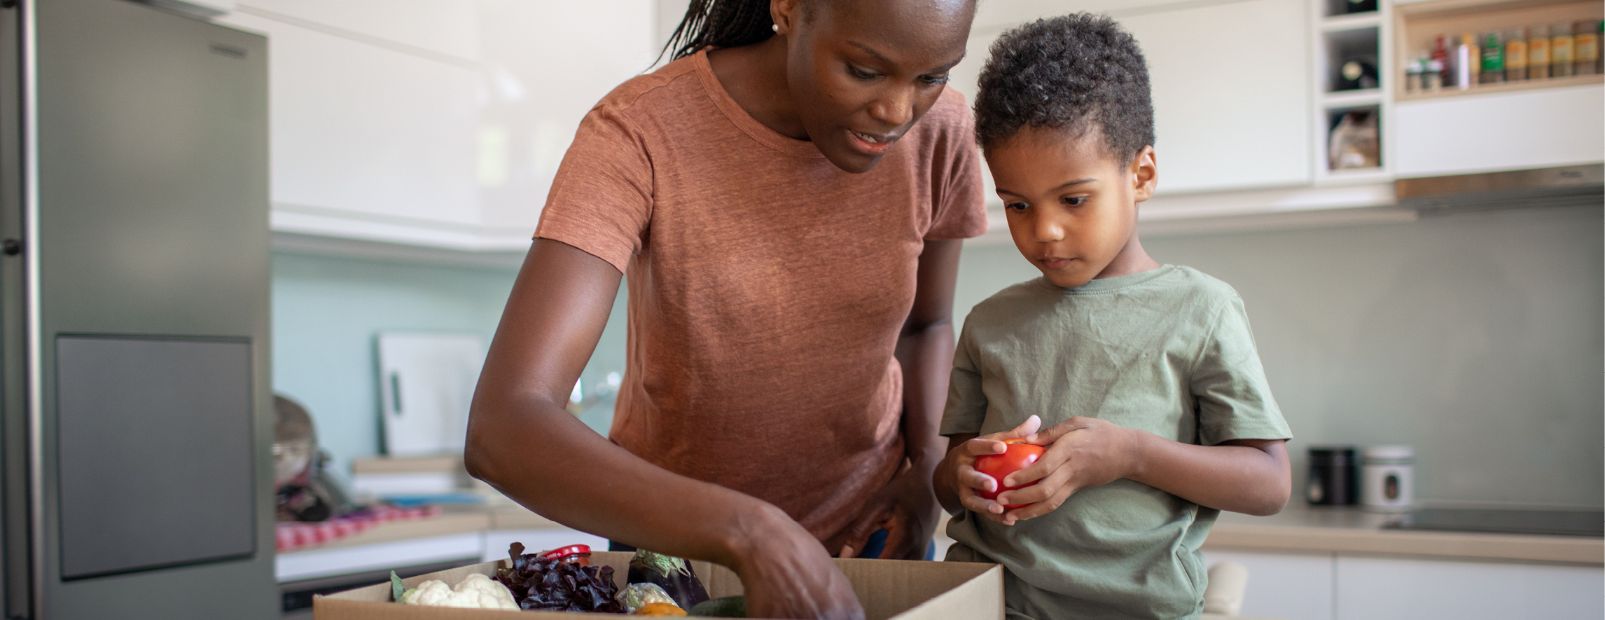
{"x": 767, "y": 287}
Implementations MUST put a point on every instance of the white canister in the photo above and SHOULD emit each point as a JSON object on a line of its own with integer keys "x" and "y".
{"x": 1387, "y": 480}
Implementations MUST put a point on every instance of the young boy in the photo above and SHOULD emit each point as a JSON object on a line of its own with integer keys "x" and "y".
{"x": 1154, "y": 408}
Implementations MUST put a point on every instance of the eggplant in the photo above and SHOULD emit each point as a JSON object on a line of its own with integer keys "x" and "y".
{"x": 673, "y": 574}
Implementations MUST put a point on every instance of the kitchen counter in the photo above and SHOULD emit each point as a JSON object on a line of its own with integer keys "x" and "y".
{"x": 1297, "y": 529}
{"x": 1304, "y": 529}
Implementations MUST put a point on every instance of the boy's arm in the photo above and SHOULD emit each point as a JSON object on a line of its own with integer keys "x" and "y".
{"x": 1250, "y": 476}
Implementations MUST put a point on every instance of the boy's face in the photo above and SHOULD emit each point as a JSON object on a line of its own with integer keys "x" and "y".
{"x": 1071, "y": 204}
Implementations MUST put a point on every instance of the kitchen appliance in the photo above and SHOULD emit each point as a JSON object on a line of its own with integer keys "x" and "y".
{"x": 1556, "y": 186}
{"x": 1552, "y": 522}
{"x": 135, "y": 402}
{"x": 1332, "y": 480}
{"x": 1387, "y": 478}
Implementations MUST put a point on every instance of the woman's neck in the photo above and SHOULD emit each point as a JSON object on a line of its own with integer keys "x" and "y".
{"x": 755, "y": 77}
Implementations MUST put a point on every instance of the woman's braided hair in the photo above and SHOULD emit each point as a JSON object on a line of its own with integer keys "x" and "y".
{"x": 720, "y": 23}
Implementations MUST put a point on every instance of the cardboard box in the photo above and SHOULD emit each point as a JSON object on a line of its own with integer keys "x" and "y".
{"x": 887, "y": 589}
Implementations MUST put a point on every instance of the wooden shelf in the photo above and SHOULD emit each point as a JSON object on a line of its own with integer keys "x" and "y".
{"x": 1508, "y": 87}
{"x": 1355, "y": 21}
{"x": 1352, "y": 98}
{"x": 1454, "y": 7}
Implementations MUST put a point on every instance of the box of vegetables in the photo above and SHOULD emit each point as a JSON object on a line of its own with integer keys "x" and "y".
{"x": 571, "y": 580}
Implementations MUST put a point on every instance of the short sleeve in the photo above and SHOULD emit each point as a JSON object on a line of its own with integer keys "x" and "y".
{"x": 1228, "y": 381}
{"x": 966, "y": 403}
{"x": 960, "y": 210}
{"x": 601, "y": 198}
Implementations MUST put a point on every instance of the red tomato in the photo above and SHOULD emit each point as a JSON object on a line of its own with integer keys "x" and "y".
{"x": 998, "y": 466}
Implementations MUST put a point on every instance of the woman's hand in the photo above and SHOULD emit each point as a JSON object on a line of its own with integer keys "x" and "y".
{"x": 1081, "y": 453}
{"x": 787, "y": 574}
{"x": 957, "y": 473}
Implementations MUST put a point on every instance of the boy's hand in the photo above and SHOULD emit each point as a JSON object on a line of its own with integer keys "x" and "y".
{"x": 970, "y": 482}
{"x": 1081, "y": 453}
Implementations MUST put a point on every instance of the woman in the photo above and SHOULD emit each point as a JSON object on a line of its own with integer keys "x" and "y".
{"x": 787, "y": 198}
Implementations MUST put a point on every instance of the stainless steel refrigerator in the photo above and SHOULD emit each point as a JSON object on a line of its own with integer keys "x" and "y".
{"x": 134, "y": 281}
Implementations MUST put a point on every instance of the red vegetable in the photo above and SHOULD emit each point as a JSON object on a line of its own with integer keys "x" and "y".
{"x": 579, "y": 554}
{"x": 999, "y": 466}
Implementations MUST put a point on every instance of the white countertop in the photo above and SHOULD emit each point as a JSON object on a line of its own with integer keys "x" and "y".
{"x": 1306, "y": 529}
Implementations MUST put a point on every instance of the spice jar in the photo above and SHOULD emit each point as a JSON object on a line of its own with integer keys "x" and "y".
{"x": 1585, "y": 45}
{"x": 1560, "y": 51}
{"x": 1387, "y": 478}
{"x": 1332, "y": 481}
{"x": 1538, "y": 53}
{"x": 1515, "y": 56}
{"x": 1432, "y": 77}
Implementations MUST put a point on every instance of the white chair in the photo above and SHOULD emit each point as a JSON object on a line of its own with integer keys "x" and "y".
{"x": 1227, "y": 582}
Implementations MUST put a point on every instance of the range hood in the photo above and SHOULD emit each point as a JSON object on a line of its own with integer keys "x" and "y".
{"x": 1557, "y": 186}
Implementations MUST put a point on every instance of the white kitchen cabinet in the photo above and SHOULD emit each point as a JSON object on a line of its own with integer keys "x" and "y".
{"x": 1284, "y": 585}
{"x": 1230, "y": 86}
{"x": 1231, "y": 94}
{"x": 993, "y": 14}
{"x": 1387, "y": 588}
{"x": 547, "y": 64}
{"x": 433, "y": 125}
{"x": 423, "y": 25}
{"x": 1499, "y": 131}
{"x": 367, "y": 133}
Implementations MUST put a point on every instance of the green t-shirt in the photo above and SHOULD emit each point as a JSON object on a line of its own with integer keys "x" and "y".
{"x": 1168, "y": 351}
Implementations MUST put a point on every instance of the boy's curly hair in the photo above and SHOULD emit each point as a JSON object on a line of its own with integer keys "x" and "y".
{"x": 1079, "y": 72}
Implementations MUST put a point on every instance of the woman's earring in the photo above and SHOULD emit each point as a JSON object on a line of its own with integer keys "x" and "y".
{"x": 775, "y": 27}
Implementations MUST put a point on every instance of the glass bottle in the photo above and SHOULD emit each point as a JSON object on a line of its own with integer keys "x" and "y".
{"x": 1515, "y": 56}
{"x": 1493, "y": 58}
{"x": 1538, "y": 53}
{"x": 1560, "y": 51}
{"x": 1585, "y": 46}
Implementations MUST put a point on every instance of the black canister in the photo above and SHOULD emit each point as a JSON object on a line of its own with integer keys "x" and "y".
{"x": 1333, "y": 476}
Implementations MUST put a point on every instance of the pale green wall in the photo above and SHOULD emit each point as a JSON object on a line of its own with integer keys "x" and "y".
{"x": 1477, "y": 338}
{"x": 327, "y": 312}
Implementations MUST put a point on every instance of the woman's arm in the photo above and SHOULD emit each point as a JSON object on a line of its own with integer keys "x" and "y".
{"x": 925, "y": 352}
{"x": 523, "y": 442}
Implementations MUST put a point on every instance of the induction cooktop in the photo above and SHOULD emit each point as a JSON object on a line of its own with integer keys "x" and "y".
{"x": 1505, "y": 521}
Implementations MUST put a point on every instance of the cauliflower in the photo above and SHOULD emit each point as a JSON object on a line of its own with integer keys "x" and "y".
{"x": 476, "y": 591}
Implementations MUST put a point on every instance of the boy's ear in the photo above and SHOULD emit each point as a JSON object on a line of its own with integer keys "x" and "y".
{"x": 1144, "y": 173}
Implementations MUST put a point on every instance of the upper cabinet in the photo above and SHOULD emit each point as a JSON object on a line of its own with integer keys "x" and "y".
{"x": 1531, "y": 96}
{"x": 431, "y": 124}
{"x": 1231, "y": 85}
{"x": 1500, "y": 131}
{"x": 1231, "y": 94}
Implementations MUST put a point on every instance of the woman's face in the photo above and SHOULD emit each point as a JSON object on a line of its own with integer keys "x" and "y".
{"x": 862, "y": 73}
